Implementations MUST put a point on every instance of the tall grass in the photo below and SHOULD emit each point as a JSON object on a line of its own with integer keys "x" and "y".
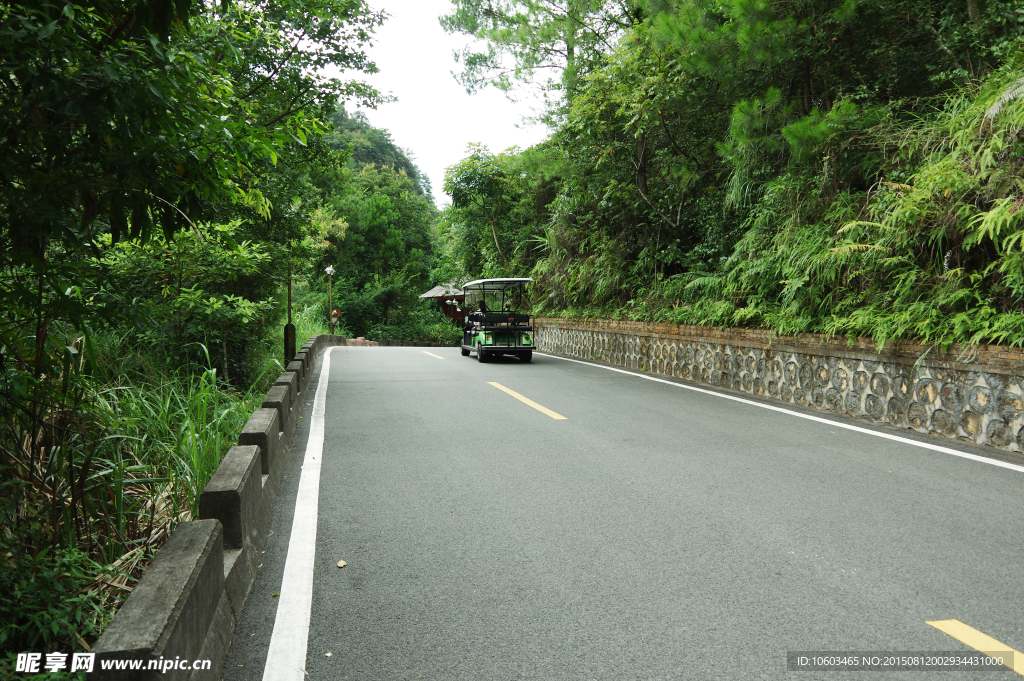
{"x": 136, "y": 440}
{"x": 179, "y": 428}
{"x": 311, "y": 320}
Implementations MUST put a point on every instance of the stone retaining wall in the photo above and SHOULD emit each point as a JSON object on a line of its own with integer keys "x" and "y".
{"x": 975, "y": 394}
{"x": 189, "y": 599}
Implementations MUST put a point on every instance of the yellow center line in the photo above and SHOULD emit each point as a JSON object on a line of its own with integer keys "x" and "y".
{"x": 981, "y": 642}
{"x": 528, "y": 401}
{"x": 432, "y": 354}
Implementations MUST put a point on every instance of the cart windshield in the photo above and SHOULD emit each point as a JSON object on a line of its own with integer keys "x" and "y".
{"x": 496, "y": 296}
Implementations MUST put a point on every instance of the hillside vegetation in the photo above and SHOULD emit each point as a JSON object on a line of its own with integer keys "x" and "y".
{"x": 845, "y": 167}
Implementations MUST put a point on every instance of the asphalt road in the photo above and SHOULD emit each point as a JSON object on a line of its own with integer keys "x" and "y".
{"x": 653, "y": 533}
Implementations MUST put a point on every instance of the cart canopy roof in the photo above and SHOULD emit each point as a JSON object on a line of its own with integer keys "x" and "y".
{"x": 495, "y": 284}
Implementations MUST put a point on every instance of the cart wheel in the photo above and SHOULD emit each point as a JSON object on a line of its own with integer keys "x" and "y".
{"x": 480, "y": 355}
{"x": 526, "y": 356}
{"x": 465, "y": 352}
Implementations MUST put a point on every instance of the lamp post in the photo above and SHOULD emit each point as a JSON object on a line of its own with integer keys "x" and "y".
{"x": 289, "y": 328}
{"x": 330, "y": 295}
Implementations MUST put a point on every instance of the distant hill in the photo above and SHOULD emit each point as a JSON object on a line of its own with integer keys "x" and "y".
{"x": 373, "y": 145}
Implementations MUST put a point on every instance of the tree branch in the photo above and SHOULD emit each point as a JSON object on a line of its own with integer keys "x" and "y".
{"x": 280, "y": 66}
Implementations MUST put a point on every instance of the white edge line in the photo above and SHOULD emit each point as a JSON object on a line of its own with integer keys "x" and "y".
{"x": 286, "y": 655}
{"x": 809, "y": 417}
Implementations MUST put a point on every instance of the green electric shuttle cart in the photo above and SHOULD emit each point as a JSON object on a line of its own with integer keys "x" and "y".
{"x": 493, "y": 324}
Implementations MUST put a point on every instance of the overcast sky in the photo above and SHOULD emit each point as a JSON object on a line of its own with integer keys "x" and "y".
{"x": 434, "y": 119}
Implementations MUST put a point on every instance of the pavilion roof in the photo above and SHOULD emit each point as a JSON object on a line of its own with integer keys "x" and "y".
{"x": 449, "y": 290}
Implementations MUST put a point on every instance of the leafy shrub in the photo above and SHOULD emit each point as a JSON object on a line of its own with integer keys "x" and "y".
{"x": 51, "y": 599}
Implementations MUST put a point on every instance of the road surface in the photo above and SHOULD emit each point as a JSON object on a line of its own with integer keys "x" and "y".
{"x": 561, "y": 520}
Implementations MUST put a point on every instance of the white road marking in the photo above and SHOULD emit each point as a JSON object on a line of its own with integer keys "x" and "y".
{"x": 286, "y": 656}
{"x": 809, "y": 417}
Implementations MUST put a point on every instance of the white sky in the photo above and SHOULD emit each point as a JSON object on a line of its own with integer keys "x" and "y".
{"x": 434, "y": 119}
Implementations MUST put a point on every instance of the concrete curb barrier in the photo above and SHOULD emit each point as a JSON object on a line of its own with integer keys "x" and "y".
{"x": 187, "y": 603}
{"x": 177, "y": 610}
{"x": 305, "y": 356}
{"x": 296, "y": 367}
{"x": 279, "y": 399}
{"x": 263, "y": 430}
{"x": 233, "y": 496}
{"x": 290, "y": 380}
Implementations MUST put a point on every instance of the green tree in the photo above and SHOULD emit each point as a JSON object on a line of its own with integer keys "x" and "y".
{"x": 483, "y": 191}
{"x": 499, "y": 211}
{"x": 372, "y": 146}
{"x": 782, "y": 67}
{"x": 526, "y": 39}
{"x": 127, "y": 127}
{"x": 387, "y": 224}
{"x": 141, "y": 132}
{"x": 193, "y": 289}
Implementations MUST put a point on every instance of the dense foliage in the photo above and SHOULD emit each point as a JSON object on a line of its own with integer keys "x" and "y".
{"x": 499, "y": 204}
{"x": 374, "y": 222}
{"x": 845, "y": 167}
{"x": 370, "y": 146}
{"x": 156, "y": 194}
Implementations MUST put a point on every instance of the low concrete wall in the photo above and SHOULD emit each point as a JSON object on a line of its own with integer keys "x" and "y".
{"x": 174, "y": 607}
{"x": 976, "y": 394}
{"x": 188, "y": 601}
